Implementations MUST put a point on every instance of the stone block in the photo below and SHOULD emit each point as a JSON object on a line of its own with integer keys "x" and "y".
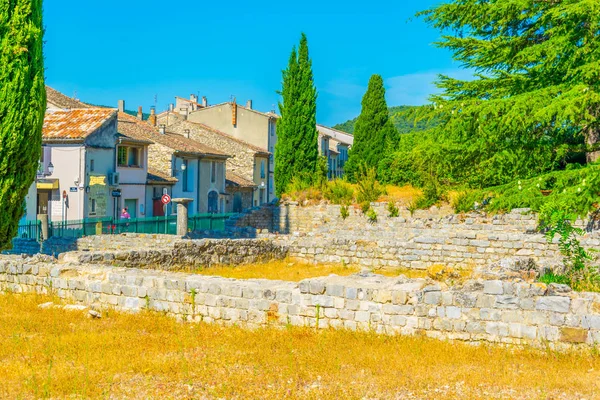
{"x": 573, "y": 335}
{"x": 553, "y": 303}
{"x": 493, "y": 287}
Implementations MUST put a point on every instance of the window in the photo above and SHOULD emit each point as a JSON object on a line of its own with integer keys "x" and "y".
{"x": 324, "y": 146}
{"x": 186, "y": 181}
{"x": 213, "y": 172}
{"x": 93, "y": 207}
{"x": 128, "y": 156}
{"x": 262, "y": 169}
{"x": 91, "y": 165}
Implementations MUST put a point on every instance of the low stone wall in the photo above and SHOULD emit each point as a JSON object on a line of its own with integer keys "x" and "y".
{"x": 492, "y": 310}
{"x": 53, "y": 246}
{"x": 319, "y": 234}
{"x": 179, "y": 253}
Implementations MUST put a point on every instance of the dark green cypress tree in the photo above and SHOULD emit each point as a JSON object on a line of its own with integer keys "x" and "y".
{"x": 22, "y": 107}
{"x": 374, "y": 132}
{"x": 296, "y": 151}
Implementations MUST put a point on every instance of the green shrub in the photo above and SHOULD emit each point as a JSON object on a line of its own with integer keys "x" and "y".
{"x": 556, "y": 220}
{"x": 368, "y": 187}
{"x": 372, "y": 216}
{"x": 344, "y": 212}
{"x": 432, "y": 193}
{"x": 339, "y": 191}
{"x": 393, "y": 211}
{"x": 365, "y": 206}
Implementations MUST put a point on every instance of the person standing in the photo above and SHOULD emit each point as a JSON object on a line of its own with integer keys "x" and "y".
{"x": 125, "y": 217}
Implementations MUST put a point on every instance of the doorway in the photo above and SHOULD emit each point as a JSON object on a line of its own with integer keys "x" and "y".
{"x": 131, "y": 205}
{"x": 213, "y": 202}
{"x": 43, "y": 197}
{"x": 237, "y": 202}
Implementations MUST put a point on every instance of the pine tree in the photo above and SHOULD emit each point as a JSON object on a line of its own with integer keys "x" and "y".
{"x": 22, "y": 107}
{"x": 296, "y": 151}
{"x": 374, "y": 132}
{"x": 535, "y": 99}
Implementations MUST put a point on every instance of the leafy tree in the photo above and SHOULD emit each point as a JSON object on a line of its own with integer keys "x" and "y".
{"x": 374, "y": 132}
{"x": 297, "y": 137}
{"x": 22, "y": 106}
{"x": 402, "y": 117}
{"x": 534, "y": 102}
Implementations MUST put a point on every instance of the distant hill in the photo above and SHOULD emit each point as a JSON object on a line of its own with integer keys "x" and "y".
{"x": 401, "y": 116}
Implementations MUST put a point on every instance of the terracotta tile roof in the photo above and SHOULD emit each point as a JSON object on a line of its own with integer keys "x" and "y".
{"x": 57, "y": 98}
{"x": 155, "y": 176}
{"x": 75, "y": 124}
{"x": 232, "y": 179}
{"x": 256, "y": 149}
{"x": 132, "y": 127}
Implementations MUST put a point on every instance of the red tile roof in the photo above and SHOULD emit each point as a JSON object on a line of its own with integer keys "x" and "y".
{"x": 75, "y": 124}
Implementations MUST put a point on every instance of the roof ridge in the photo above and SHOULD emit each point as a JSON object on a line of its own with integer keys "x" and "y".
{"x": 227, "y": 135}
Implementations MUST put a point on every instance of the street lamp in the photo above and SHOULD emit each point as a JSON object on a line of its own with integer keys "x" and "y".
{"x": 50, "y": 168}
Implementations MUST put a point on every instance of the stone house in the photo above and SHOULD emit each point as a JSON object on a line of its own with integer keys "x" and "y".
{"x": 246, "y": 168}
{"x": 240, "y": 122}
{"x": 199, "y": 170}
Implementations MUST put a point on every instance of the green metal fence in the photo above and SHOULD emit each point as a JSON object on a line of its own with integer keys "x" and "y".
{"x": 30, "y": 230}
{"x": 105, "y": 226}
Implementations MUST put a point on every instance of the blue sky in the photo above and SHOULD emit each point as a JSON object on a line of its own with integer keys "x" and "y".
{"x": 134, "y": 50}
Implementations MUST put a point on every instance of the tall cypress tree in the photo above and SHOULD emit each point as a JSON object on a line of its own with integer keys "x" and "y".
{"x": 22, "y": 107}
{"x": 296, "y": 151}
{"x": 374, "y": 132}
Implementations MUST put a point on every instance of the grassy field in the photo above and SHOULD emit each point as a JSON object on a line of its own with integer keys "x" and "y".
{"x": 52, "y": 353}
{"x": 295, "y": 271}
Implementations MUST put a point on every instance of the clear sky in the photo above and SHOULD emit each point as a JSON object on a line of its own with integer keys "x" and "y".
{"x": 133, "y": 50}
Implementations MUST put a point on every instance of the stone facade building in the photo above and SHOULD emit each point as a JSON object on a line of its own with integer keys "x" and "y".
{"x": 248, "y": 162}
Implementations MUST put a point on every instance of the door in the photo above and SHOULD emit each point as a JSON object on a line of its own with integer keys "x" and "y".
{"x": 131, "y": 205}
{"x": 213, "y": 202}
{"x": 158, "y": 209}
{"x": 237, "y": 202}
{"x": 43, "y": 197}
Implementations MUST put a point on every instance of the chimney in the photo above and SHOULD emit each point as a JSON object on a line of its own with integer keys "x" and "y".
{"x": 152, "y": 118}
{"x": 234, "y": 113}
{"x": 186, "y": 133}
{"x": 193, "y": 98}
{"x": 204, "y": 101}
{"x": 121, "y": 106}
{"x": 249, "y": 104}
{"x": 171, "y": 107}
{"x": 161, "y": 129}
{"x": 140, "y": 114}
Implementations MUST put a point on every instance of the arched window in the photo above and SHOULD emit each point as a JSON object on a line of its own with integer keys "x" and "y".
{"x": 213, "y": 202}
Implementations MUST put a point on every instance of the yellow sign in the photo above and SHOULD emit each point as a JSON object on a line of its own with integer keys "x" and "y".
{"x": 98, "y": 180}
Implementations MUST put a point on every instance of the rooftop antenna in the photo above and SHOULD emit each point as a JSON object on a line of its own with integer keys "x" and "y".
{"x": 155, "y": 100}
{"x": 75, "y": 94}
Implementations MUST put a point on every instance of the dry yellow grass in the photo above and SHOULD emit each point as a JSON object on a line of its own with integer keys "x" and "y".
{"x": 295, "y": 271}
{"x": 286, "y": 270}
{"x": 52, "y": 353}
{"x": 400, "y": 194}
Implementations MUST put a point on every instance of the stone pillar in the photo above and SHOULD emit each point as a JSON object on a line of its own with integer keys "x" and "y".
{"x": 182, "y": 215}
{"x": 43, "y": 218}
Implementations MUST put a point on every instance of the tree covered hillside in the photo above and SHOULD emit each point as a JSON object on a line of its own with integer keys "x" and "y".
{"x": 401, "y": 116}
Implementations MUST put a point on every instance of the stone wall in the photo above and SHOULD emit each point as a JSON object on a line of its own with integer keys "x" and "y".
{"x": 137, "y": 252}
{"x": 484, "y": 309}
{"x": 319, "y": 234}
{"x": 53, "y": 246}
